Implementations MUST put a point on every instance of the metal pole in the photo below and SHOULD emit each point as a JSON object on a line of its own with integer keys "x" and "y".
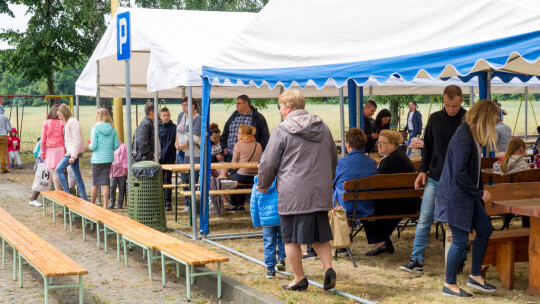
{"x": 471, "y": 101}
{"x": 359, "y": 99}
{"x": 342, "y": 121}
{"x": 77, "y": 107}
{"x": 128, "y": 120}
{"x": 192, "y": 167}
{"x": 98, "y": 93}
{"x": 156, "y": 130}
{"x": 526, "y": 97}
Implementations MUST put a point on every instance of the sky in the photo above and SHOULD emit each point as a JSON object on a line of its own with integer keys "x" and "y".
{"x": 19, "y": 22}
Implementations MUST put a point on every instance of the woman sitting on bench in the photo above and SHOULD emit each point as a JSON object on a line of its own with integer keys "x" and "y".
{"x": 378, "y": 232}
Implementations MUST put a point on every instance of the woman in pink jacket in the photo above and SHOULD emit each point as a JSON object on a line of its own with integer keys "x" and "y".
{"x": 52, "y": 143}
{"x": 75, "y": 146}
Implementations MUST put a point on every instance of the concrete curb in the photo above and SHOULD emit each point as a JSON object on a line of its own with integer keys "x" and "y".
{"x": 232, "y": 291}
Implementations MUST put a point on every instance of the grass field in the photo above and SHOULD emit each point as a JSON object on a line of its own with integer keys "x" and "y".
{"x": 34, "y": 117}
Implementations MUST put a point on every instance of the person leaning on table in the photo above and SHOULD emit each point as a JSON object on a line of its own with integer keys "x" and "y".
{"x": 460, "y": 195}
{"x": 302, "y": 154}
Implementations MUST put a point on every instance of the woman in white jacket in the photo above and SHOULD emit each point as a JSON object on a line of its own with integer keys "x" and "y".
{"x": 75, "y": 146}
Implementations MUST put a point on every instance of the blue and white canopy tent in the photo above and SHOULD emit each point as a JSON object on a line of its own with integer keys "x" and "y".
{"x": 318, "y": 42}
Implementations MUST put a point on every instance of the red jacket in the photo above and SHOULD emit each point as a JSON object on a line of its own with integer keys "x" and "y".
{"x": 14, "y": 143}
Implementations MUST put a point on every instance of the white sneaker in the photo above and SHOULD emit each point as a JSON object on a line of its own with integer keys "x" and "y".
{"x": 186, "y": 210}
{"x": 35, "y": 203}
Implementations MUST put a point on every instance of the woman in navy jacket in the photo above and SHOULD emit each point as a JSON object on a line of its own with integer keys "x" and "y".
{"x": 414, "y": 123}
{"x": 460, "y": 195}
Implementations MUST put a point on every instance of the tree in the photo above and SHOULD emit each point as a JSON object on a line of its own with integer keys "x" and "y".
{"x": 4, "y": 8}
{"x": 205, "y": 5}
{"x": 60, "y": 35}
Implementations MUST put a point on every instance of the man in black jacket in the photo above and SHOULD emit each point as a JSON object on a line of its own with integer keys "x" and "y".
{"x": 440, "y": 128}
{"x": 143, "y": 139}
{"x": 369, "y": 127}
{"x": 244, "y": 114}
{"x": 167, "y": 137}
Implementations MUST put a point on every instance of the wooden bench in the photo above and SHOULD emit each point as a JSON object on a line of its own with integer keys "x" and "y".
{"x": 380, "y": 186}
{"x": 38, "y": 253}
{"x": 489, "y": 176}
{"x": 150, "y": 240}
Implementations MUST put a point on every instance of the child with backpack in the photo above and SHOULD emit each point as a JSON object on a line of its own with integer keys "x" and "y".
{"x": 14, "y": 145}
{"x": 264, "y": 212}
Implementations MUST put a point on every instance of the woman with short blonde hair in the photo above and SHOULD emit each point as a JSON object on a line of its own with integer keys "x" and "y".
{"x": 292, "y": 98}
{"x": 461, "y": 192}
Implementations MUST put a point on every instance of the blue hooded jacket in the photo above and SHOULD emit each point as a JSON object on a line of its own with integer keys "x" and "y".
{"x": 103, "y": 142}
{"x": 264, "y": 206}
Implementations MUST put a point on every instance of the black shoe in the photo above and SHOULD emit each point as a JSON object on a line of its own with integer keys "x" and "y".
{"x": 270, "y": 274}
{"x": 329, "y": 279}
{"x": 342, "y": 251}
{"x": 4, "y": 172}
{"x": 300, "y": 286}
{"x": 119, "y": 206}
{"x": 233, "y": 209}
{"x": 413, "y": 266}
{"x": 309, "y": 256}
{"x": 381, "y": 249}
{"x": 240, "y": 209}
{"x": 281, "y": 265}
{"x": 111, "y": 206}
{"x": 168, "y": 206}
{"x": 485, "y": 288}
{"x": 461, "y": 294}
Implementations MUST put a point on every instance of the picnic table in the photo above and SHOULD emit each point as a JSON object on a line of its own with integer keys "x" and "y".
{"x": 184, "y": 168}
{"x": 531, "y": 208}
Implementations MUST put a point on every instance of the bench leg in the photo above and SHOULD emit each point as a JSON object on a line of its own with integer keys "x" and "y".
{"x": 150, "y": 261}
{"x": 3, "y": 253}
{"x": 53, "y": 212}
{"x": 192, "y": 272}
{"x": 163, "y": 274}
{"x": 118, "y": 246}
{"x": 97, "y": 235}
{"x": 14, "y": 264}
{"x": 178, "y": 270}
{"x": 105, "y": 237}
{"x": 83, "y": 220}
{"x": 219, "y": 280}
{"x": 125, "y": 251}
{"x": 70, "y": 222}
{"x": 351, "y": 257}
{"x": 188, "y": 283}
{"x": 46, "y": 287}
{"x": 20, "y": 271}
{"x": 44, "y": 203}
{"x": 504, "y": 262}
{"x": 81, "y": 289}
{"x": 65, "y": 219}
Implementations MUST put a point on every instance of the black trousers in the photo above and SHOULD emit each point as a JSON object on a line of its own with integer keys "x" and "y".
{"x": 238, "y": 200}
{"x": 119, "y": 182}
{"x": 380, "y": 230}
{"x": 167, "y": 180}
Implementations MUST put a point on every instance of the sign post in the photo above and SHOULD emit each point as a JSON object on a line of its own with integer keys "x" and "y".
{"x": 123, "y": 52}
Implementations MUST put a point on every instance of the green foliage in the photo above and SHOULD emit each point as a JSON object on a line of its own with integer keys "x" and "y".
{"x": 206, "y": 5}
{"x": 4, "y": 8}
{"x": 60, "y": 35}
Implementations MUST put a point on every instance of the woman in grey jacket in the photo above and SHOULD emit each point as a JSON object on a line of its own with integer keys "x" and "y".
{"x": 303, "y": 156}
{"x": 460, "y": 196}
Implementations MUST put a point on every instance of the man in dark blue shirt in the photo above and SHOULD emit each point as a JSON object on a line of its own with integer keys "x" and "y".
{"x": 167, "y": 136}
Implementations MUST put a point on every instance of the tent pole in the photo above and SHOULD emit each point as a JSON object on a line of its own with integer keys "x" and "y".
{"x": 351, "y": 85}
{"x": 342, "y": 121}
{"x": 128, "y": 121}
{"x": 359, "y": 102}
{"x": 471, "y": 99}
{"x": 77, "y": 107}
{"x": 98, "y": 90}
{"x": 193, "y": 203}
{"x": 484, "y": 85}
{"x": 156, "y": 130}
{"x": 526, "y": 109}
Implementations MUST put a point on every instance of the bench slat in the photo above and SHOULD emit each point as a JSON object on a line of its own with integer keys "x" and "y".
{"x": 369, "y": 195}
{"x": 382, "y": 181}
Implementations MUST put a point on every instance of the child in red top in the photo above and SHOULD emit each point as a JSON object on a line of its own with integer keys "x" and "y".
{"x": 14, "y": 144}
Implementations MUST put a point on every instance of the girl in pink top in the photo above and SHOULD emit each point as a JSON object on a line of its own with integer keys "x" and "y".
{"x": 119, "y": 170}
{"x": 52, "y": 143}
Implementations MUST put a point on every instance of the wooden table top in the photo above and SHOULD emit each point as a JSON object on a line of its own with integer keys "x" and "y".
{"x": 413, "y": 158}
{"x": 526, "y": 207}
{"x": 185, "y": 167}
{"x": 416, "y": 147}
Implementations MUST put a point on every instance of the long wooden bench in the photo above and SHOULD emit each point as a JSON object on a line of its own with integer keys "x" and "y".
{"x": 490, "y": 177}
{"x": 132, "y": 232}
{"x": 30, "y": 248}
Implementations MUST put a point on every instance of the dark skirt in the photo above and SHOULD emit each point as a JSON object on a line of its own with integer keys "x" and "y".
{"x": 100, "y": 174}
{"x": 306, "y": 228}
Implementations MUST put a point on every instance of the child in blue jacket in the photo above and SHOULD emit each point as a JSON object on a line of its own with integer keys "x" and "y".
{"x": 264, "y": 212}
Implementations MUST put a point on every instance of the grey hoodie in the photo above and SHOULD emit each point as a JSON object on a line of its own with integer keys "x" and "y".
{"x": 302, "y": 154}
{"x": 5, "y": 125}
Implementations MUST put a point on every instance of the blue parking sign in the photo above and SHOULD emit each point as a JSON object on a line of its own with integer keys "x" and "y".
{"x": 123, "y": 36}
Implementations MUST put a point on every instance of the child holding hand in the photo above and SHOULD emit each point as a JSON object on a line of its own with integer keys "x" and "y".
{"x": 14, "y": 145}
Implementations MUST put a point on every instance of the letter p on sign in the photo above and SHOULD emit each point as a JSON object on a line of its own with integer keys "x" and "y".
{"x": 123, "y": 36}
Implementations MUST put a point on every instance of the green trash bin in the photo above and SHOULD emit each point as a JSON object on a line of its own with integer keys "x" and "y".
{"x": 146, "y": 195}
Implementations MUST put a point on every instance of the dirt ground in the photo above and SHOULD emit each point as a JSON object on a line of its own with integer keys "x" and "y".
{"x": 377, "y": 279}
{"x": 108, "y": 280}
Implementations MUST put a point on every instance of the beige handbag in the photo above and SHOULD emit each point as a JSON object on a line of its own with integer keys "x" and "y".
{"x": 340, "y": 227}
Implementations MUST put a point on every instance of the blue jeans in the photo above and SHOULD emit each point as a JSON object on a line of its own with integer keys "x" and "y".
{"x": 64, "y": 163}
{"x": 423, "y": 226}
{"x": 412, "y": 134}
{"x": 482, "y": 226}
{"x": 271, "y": 239}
